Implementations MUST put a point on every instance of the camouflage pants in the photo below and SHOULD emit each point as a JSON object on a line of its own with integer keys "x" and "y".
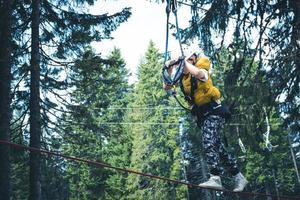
{"x": 214, "y": 148}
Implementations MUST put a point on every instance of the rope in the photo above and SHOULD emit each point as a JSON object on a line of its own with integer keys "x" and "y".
{"x": 105, "y": 165}
{"x": 168, "y": 9}
{"x": 185, "y": 108}
{"x": 172, "y": 5}
{"x": 177, "y": 26}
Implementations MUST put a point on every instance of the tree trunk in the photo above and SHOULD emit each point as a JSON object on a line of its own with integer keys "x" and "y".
{"x": 5, "y": 81}
{"x": 34, "y": 105}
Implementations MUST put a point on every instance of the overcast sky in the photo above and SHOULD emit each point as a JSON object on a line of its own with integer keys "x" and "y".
{"x": 147, "y": 22}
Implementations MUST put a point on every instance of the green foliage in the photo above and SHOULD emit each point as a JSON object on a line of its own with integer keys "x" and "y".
{"x": 154, "y": 145}
{"x": 249, "y": 93}
{"x": 98, "y": 87}
{"x": 66, "y": 29}
{"x": 264, "y": 39}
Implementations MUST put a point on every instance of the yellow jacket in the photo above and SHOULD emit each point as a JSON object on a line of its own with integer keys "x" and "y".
{"x": 205, "y": 91}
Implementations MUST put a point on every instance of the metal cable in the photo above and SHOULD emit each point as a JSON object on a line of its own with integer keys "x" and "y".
{"x": 106, "y": 165}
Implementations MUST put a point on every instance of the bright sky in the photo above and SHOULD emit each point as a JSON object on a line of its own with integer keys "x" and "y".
{"x": 147, "y": 22}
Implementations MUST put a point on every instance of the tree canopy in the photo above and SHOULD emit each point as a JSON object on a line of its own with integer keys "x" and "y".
{"x": 58, "y": 94}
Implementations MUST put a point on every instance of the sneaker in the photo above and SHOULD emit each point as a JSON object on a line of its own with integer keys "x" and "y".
{"x": 214, "y": 182}
{"x": 240, "y": 182}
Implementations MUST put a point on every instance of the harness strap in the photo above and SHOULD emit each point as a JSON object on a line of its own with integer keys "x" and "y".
{"x": 168, "y": 10}
{"x": 186, "y": 96}
{"x": 177, "y": 26}
{"x": 190, "y": 97}
{"x": 193, "y": 88}
{"x": 188, "y": 109}
{"x": 172, "y": 5}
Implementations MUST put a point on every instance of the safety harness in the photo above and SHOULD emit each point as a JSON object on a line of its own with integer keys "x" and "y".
{"x": 190, "y": 97}
{"x": 172, "y": 5}
{"x": 173, "y": 80}
{"x": 168, "y": 79}
{"x": 178, "y": 75}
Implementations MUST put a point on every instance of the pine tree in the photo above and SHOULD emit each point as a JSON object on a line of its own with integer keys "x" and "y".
{"x": 155, "y": 149}
{"x": 118, "y": 148}
{"x": 263, "y": 57}
{"x": 62, "y": 30}
{"x": 88, "y": 133}
{"x": 251, "y": 114}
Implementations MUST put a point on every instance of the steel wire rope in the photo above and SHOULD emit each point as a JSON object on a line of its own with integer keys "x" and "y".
{"x": 120, "y": 169}
{"x": 157, "y": 123}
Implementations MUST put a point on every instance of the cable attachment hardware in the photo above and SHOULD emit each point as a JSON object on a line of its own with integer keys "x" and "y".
{"x": 173, "y": 71}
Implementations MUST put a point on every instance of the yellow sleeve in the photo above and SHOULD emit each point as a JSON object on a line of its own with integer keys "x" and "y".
{"x": 203, "y": 63}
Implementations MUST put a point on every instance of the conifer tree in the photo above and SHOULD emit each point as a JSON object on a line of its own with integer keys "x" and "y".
{"x": 60, "y": 31}
{"x": 118, "y": 148}
{"x": 99, "y": 88}
{"x": 5, "y": 97}
{"x": 155, "y": 148}
{"x": 262, "y": 58}
{"x": 34, "y": 105}
{"x": 251, "y": 115}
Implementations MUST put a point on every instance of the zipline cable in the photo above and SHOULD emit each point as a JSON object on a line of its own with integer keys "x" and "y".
{"x": 105, "y": 165}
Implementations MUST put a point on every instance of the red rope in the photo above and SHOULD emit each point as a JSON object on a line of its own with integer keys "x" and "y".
{"x": 105, "y": 165}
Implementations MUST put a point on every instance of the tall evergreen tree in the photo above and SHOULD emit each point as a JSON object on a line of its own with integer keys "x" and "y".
{"x": 265, "y": 30}
{"x": 98, "y": 87}
{"x": 61, "y": 30}
{"x": 5, "y": 97}
{"x": 263, "y": 57}
{"x": 118, "y": 148}
{"x": 155, "y": 147}
{"x": 253, "y": 115}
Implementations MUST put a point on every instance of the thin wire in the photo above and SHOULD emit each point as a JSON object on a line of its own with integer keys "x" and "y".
{"x": 141, "y": 108}
{"x": 105, "y": 165}
{"x": 138, "y": 123}
{"x": 159, "y": 123}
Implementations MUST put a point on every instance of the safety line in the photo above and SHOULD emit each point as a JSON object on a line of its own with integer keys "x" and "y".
{"x": 140, "y": 108}
{"x": 157, "y": 123}
{"x": 138, "y": 123}
{"x": 105, "y": 165}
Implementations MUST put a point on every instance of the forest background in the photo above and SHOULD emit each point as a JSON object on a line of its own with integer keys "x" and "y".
{"x": 58, "y": 94}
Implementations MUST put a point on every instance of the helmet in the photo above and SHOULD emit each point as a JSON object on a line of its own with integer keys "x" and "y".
{"x": 190, "y": 50}
{"x": 174, "y": 55}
